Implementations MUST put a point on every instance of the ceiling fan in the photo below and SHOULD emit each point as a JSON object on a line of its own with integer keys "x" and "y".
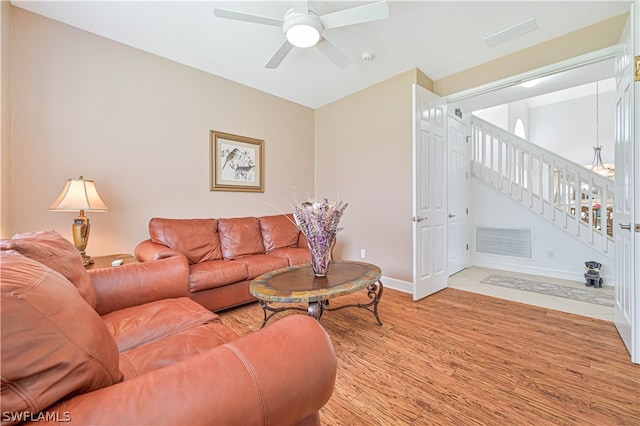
{"x": 303, "y": 27}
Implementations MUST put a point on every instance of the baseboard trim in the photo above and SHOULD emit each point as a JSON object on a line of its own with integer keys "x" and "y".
{"x": 392, "y": 283}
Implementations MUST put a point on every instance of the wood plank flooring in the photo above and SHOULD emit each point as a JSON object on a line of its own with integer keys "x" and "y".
{"x": 460, "y": 358}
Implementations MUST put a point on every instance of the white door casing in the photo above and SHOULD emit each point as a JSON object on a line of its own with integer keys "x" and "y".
{"x": 627, "y": 241}
{"x": 429, "y": 193}
{"x": 458, "y": 194}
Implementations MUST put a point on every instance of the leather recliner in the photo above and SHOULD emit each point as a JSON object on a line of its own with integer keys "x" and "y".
{"x": 122, "y": 345}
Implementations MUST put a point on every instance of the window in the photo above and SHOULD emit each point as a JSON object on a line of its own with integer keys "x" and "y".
{"x": 519, "y": 130}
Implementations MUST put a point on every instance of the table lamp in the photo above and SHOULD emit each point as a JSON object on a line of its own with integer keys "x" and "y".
{"x": 80, "y": 194}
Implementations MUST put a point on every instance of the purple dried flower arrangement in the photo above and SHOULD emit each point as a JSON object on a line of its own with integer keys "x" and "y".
{"x": 318, "y": 221}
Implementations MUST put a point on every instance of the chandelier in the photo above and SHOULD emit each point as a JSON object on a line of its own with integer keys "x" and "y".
{"x": 597, "y": 165}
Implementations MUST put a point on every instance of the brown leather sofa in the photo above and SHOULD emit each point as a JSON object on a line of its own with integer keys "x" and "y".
{"x": 224, "y": 255}
{"x": 119, "y": 346}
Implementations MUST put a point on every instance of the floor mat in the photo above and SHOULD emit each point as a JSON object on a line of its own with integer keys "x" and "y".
{"x": 599, "y": 296}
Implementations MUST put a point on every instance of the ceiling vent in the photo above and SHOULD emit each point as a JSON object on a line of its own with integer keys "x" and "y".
{"x": 511, "y": 33}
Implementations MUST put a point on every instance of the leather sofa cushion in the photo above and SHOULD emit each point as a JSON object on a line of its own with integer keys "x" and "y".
{"x": 197, "y": 239}
{"x": 240, "y": 237}
{"x": 174, "y": 348}
{"x": 279, "y": 231}
{"x": 139, "y": 325}
{"x": 261, "y": 264}
{"x": 53, "y": 250}
{"x": 215, "y": 273}
{"x": 53, "y": 343}
{"x": 295, "y": 256}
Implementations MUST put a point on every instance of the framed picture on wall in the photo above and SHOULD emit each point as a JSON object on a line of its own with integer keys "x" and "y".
{"x": 237, "y": 163}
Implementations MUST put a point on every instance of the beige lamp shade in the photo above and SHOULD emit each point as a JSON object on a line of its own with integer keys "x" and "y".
{"x": 79, "y": 194}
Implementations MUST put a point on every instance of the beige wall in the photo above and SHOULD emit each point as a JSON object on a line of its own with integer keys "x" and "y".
{"x": 363, "y": 153}
{"x": 139, "y": 126}
{"x": 5, "y": 119}
{"x": 598, "y": 36}
{"x": 364, "y": 142}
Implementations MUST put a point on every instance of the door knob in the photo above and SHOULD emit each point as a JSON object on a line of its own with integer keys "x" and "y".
{"x": 418, "y": 218}
{"x": 451, "y": 215}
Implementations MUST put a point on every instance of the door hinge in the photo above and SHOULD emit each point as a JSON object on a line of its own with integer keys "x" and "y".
{"x": 467, "y": 247}
{"x": 468, "y": 138}
{"x": 467, "y": 211}
{"x": 637, "y": 73}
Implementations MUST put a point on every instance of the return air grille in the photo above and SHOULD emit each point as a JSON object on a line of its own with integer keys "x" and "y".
{"x": 512, "y": 242}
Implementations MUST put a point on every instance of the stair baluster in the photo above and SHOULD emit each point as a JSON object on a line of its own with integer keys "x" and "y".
{"x": 570, "y": 195}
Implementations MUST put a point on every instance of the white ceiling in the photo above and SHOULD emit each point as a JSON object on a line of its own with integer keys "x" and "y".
{"x": 438, "y": 37}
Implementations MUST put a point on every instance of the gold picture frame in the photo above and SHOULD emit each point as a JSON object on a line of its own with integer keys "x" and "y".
{"x": 237, "y": 163}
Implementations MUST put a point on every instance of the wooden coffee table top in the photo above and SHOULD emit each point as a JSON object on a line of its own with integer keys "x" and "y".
{"x": 299, "y": 283}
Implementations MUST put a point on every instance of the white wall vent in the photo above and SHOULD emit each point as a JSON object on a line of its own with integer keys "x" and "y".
{"x": 512, "y": 242}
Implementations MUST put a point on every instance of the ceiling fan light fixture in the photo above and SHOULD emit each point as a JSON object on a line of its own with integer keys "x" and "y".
{"x": 302, "y": 30}
{"x": 303, "y": 35}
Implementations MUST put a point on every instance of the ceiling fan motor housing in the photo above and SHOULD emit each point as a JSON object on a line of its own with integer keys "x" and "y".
{"x": 302, "y": 30}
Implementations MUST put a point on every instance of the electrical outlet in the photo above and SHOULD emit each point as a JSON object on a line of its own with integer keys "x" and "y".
{"x": 363, "y": 253}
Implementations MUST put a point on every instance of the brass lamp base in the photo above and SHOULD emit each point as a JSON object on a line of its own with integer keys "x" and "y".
{"x": 87, "y": 260}
{"x": 81, "y": 228}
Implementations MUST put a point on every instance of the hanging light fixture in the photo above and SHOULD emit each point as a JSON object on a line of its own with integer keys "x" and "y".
{"x": 597, "y": 165}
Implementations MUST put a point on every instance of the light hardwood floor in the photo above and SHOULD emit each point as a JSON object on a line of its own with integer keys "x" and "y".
{"x": 461, "y": 358}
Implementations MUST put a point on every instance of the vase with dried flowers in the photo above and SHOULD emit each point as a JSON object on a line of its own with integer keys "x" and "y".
{"x": 318, "y": 221}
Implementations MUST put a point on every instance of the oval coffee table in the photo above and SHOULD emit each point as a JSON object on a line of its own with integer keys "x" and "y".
{"x": 298, "y": 284}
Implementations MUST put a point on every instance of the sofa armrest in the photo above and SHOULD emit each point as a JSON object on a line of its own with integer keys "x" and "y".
{"x": 138, "y": 283}
{"x": 281, "y": 374}
{"x": 147, "y": 251}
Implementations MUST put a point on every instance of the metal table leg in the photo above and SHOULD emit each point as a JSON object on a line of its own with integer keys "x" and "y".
{"x": 374, "y": 292}
{"x": 266, "y": 307}
{"x": 315, "y": 309}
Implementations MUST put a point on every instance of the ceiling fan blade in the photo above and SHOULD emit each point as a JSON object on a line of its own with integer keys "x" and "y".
{"x": 333, "y": 53}
{"x": 240, "y": 16}
{"x": 301, "y": 6}
{"x": 356, "y": 15}
{"x": 280, "y": 54}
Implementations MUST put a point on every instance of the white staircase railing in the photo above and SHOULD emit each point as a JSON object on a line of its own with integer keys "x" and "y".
{"x": 566, "y": 193}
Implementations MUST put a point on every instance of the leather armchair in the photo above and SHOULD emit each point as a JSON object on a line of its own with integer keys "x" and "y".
{"x": 280, "y": 375}
{"x": 131, "y": 349}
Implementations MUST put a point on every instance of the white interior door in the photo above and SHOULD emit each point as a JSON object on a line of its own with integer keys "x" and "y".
{"x": 458, "y": 198}
{"x": 429, "y": 193}
{"x": 627, "y": 236}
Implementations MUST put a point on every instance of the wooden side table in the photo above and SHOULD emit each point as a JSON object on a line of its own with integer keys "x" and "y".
{"x": 105, "y": 261}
